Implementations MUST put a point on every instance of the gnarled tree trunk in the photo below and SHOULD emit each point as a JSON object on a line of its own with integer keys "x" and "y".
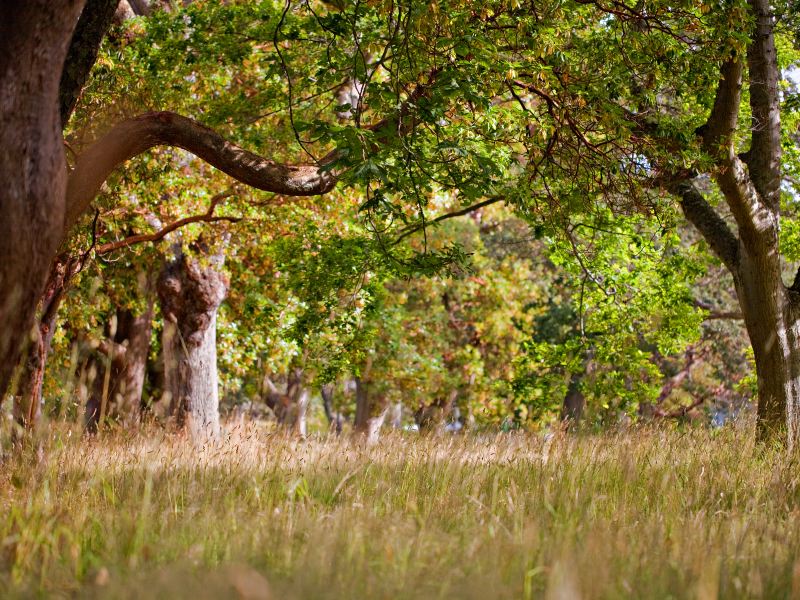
{"x": 190, "y": 295}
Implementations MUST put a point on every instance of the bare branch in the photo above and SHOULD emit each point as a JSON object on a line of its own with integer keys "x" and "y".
{"x": 207, "y": 217}
{"x": 456, "y": 213}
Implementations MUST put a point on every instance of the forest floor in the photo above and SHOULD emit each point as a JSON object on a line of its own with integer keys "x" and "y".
{"x": 644, "y": 513}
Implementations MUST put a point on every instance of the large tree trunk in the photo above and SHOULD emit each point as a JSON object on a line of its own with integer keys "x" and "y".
{"x": 34, "y": 37}
{"x": 771, "y": 315}
{"x": 190, "y": 295}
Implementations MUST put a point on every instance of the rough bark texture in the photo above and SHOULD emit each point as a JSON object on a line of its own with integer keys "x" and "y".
{"x": 133, "y": 340}
{"x": 34, "y": 36}
{"x": 190, "y": 295}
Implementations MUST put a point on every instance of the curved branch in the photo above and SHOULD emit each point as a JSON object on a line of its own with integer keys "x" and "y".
{"x": 135, "y": 136}
{"x": 412, "y": 229}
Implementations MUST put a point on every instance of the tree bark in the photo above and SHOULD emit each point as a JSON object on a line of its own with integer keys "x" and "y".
{"x": 133, "y": 334}
{"x": 34, "y": 37}
{"x": 290, "y": 408}
{"x": 190, "y": 295}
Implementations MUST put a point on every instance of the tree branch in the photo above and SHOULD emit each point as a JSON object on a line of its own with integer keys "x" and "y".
{"x": 764, "y": 156}
{"x": 711, "y": 226}
{"x": 721, "y": 124}
{"x": 755, "y": 221}
{"x": 92, "y": 26}
{"x": 207, "y": 217}
{"x": 135, "y": 136}
{"x": 456, "y": 213}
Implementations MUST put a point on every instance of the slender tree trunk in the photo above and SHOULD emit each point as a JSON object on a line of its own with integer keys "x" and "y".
{"x": 28, "y": 396}
{"x": 334, "y": 417}
{"x": 371, "y": 411}
{"x": 190, "y": 297}
{"x": 34, "y": 37}
{"x": 574, "y": 403}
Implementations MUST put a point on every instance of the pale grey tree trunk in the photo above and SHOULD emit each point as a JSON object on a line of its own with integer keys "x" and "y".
{"x": 190, "y": 295}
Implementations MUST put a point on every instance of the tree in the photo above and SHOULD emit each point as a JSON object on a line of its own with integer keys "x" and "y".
{"x": 751, "y": 186}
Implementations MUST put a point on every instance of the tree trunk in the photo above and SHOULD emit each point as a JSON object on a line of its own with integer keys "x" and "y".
{"x": 574, "y": 403}
{"x": 771, "y": 314}
{"x": 34, "y": 37}
{"x": 371, "y": 411}
{"x": 190, "y": 296}
{"x": 133, "y": 334}
{"x": 335, "y": 420}
{"x": 290, "y": 408}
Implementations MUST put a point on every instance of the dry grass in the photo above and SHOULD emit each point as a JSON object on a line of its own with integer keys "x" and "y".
{"x": 639, "y": 514}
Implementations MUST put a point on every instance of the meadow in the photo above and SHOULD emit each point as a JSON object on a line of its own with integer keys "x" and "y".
{"x": 640, "y": 513}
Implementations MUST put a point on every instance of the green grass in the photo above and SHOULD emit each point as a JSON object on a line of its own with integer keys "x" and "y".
{"x": 636, "y": 514}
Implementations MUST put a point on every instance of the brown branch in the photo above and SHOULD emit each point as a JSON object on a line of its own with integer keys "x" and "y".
{"x": 207, "y": 217}
{"x": 755, "y": 220}
{"x": 135, "y": 136}
{"x": 456, "y": 213}
{"x": 711, "y": 226}
{"x": 721, "y": 123}
{"x": 139, "y": 134}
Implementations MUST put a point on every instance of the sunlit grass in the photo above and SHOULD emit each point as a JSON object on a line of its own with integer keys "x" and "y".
{"x": 640, "y": 514}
